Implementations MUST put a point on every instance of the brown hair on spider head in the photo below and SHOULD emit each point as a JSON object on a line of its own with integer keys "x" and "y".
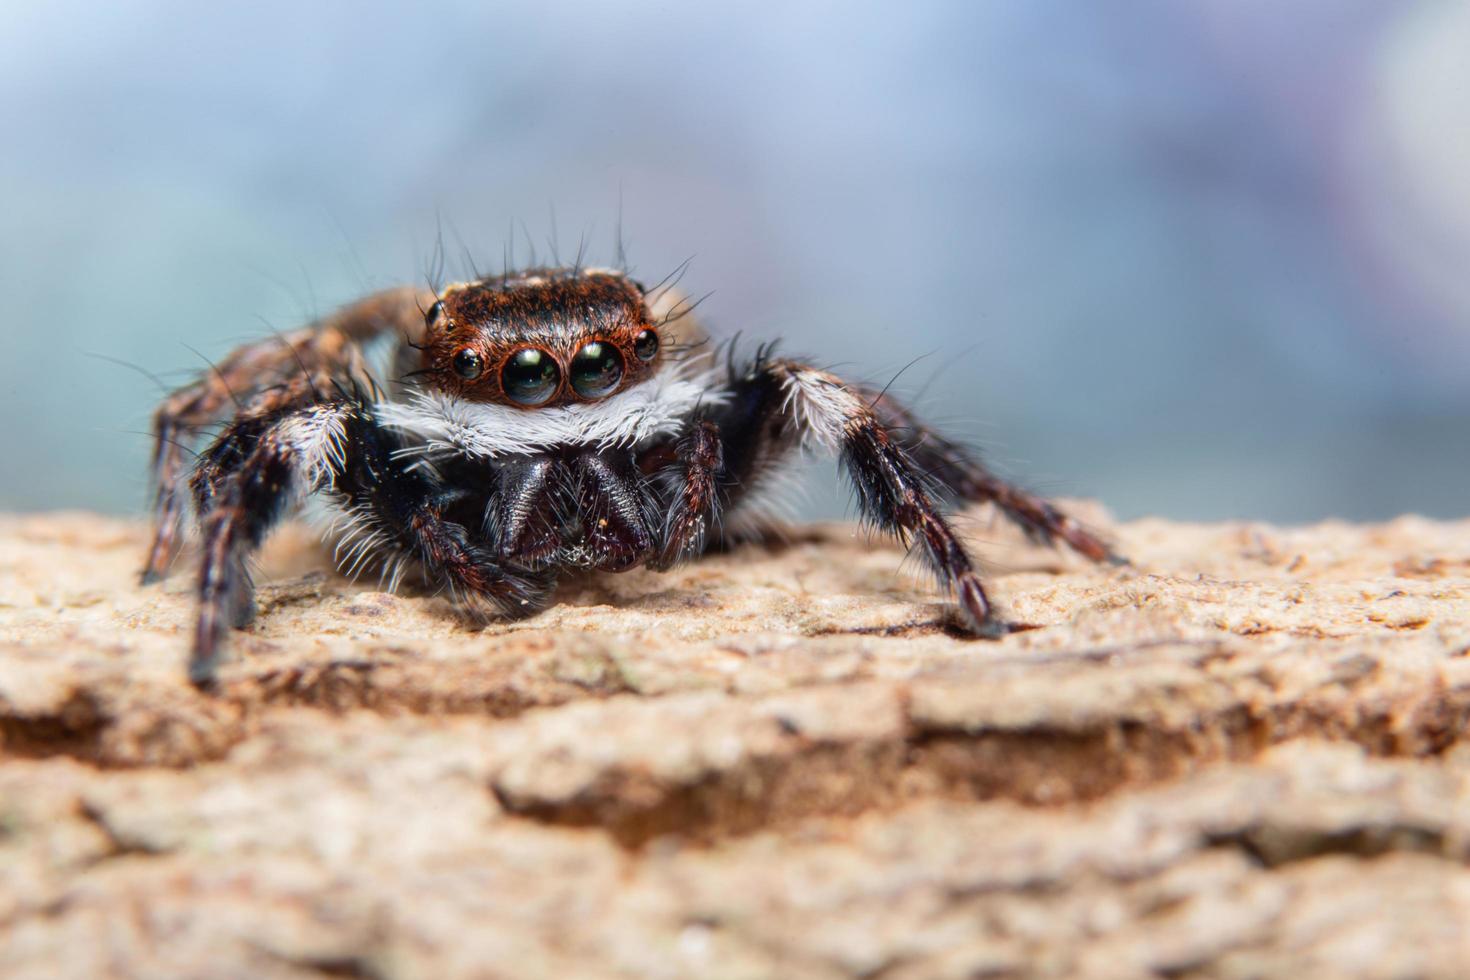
{"x": 541, "y": 338}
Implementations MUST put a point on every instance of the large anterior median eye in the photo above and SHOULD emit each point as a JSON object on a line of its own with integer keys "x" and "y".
{"x": 530, "y": 377}
{"x": 596, "y": 369}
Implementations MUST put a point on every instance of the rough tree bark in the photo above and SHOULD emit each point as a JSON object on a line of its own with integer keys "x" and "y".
{"x": 1239, "y": 758}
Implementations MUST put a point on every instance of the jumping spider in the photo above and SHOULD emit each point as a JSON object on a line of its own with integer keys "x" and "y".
{"x": 538, "y": 421}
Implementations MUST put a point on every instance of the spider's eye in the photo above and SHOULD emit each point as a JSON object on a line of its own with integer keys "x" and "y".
{"x": 467, "y": 364}
{"x": 597, "y": 369}
{"x": 432, "y": 313}
{"x": 530, "y": 377}
{"x": 645, "y": 345}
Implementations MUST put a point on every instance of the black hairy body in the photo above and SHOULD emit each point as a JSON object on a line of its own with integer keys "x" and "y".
{"x": 493, "y": 434}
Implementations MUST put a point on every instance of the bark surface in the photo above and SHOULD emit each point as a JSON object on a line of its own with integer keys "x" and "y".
{"x": 1240, "y": 757}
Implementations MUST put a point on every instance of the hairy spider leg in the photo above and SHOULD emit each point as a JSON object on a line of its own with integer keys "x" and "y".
{"x": 264, "y": 462}
{"x": 281, "y": 372}
{"x": 694, "y": 481}
{"x": 336, "y": 448}
{"x": 780, "y": 404}
{"x": 955, "y": 470}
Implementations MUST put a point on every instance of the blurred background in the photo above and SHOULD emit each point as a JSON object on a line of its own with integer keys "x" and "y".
{"x": 1199, "y": 258}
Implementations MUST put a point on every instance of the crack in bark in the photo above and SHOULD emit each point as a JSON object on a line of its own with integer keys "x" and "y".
{"x": 1041, "y": 767}
{"x": 1274, "y": 846}
{"x": 73, "y": 728}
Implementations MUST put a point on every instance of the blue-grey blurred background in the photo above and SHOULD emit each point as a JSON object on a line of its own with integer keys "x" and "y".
{"x": 1203, "y": 258}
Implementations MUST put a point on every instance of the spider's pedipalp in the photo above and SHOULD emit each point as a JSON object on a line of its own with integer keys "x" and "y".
{"x": 422, "y": 518}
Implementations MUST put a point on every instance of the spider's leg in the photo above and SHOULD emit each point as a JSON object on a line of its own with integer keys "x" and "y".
{"x": 776, "y": 405}
{"x": 279, "y": 372}
{"x": 175, "y": 424}
{"x": 183, "y": 414}
{"x": 265, "y": 464}
{"x": 695, "y": 478}
{"x": 959, "y": 472}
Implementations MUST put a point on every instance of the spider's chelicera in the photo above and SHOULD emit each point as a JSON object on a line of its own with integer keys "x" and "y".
{"x": 536, "y": 422}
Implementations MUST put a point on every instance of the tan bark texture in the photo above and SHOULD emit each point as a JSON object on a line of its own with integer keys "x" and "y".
{"x": 1238, "y": 758}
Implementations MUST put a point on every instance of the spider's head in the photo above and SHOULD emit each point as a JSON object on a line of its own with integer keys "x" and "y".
{"x": 541, "y": 338}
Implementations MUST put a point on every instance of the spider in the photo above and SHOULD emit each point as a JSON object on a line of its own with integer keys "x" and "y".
{"x": 539, "y": 421}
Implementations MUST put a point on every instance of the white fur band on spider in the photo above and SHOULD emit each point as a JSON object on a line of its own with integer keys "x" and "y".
{"x": 316, "y": 438}
{"x": 450, "y": 425}
{"x": 822, "y": 406}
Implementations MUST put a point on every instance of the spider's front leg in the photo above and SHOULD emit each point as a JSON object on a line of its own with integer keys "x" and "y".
{"x": 959, "y": 473}
{"x": 261, "y": 465}
{"x": 776, "y": 405}
{"x": 243, "y": 484}
{"x": 285, "y": 372}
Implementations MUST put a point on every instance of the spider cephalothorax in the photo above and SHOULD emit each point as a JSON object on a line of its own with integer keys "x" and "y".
{"x": 540, "y": 339}
{"x": 499, "y": 431}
